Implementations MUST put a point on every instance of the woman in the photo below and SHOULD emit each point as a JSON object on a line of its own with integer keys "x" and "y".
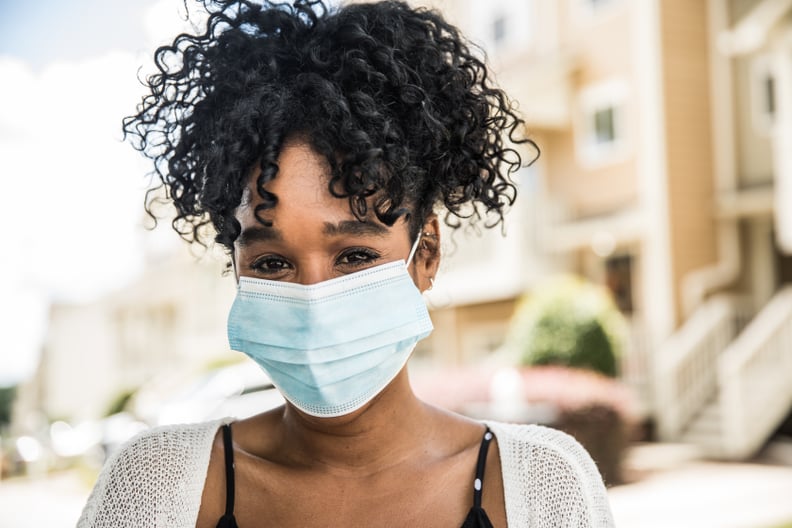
{"x": 317, "y": 147}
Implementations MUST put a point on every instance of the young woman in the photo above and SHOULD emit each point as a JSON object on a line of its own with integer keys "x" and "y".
{"x": 318, "y": 146}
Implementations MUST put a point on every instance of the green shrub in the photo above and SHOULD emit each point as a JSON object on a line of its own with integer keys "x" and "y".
{"x": 568, "y": 322}
{"x": 120, "y": 402}
{"x": 7, "y": 396}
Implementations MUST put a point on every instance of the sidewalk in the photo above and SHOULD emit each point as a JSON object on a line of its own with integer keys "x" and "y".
{"x": 52, "y": 502}
{"x": 683, "y": 491}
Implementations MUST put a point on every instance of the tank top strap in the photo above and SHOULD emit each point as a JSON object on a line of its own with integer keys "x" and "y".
{"x": 477, "y": 517}
{"x": 481, "y": 464}
{"x": 228, "y": 520}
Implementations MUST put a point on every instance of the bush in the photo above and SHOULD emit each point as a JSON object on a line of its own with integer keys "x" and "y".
{"x": 595, "y": 409}
{"x": 568, "y": 322}
{"x": 559, "y": 339}
{"x": 7, "y": 396}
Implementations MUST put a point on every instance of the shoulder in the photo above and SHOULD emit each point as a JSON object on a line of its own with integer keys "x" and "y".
{"x": 155, "y": 479}
{"x": 549, "y": 479}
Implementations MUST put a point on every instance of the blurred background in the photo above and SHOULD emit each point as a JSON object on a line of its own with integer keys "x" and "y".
{"x": 639, "y": 300}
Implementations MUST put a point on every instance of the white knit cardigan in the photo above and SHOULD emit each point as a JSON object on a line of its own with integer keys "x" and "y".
{"x": 157, "y": 478}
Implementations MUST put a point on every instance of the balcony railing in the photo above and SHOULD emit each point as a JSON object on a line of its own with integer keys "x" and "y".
{"x": 755, "y": 374}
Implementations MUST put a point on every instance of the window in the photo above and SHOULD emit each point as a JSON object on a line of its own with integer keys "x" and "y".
{"x": 499, "y": 29}
{"x": 769, "y": 95}
{"x": 604, "y": 127}
{"x": 502, "y": 25}
{"x": 763, "y": 94}
{"x": 586, "y": 10}
{"x": 601, "y": 126}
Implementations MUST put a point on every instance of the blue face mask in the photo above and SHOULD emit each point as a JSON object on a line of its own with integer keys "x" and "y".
{"x": 331, "y": 347}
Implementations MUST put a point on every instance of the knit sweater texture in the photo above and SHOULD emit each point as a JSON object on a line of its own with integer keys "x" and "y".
{"x": 157, "y": 478}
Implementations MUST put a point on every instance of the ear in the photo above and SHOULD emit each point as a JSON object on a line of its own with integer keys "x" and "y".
{"x": 427, "y": 258}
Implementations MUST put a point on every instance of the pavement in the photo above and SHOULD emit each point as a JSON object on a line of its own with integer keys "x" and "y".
{"x": 54, "y": 501}
{"x": 673, "y": 488}
{"x": 676, "y": 488}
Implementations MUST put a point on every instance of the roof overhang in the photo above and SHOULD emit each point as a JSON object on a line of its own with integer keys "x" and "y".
{"x": 752, "y": 31}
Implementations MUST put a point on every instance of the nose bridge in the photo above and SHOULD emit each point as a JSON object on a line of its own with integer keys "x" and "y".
{"x": 313, "y": 270}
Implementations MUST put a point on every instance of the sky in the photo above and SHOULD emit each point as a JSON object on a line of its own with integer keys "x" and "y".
{"x": 72, "y": 192}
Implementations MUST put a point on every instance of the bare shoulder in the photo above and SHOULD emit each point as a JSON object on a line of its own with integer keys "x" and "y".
{"x": 457, "y": 432}
{"x": 212, "y": 503}
{"x": 244, "y": 434}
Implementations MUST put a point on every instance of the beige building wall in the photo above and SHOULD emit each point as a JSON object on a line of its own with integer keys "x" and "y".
{"x": 600, "y": 45}
{"x": 79, "y": 370}
{"x": 465, "y": 334}
{"x": 685, "y": 63}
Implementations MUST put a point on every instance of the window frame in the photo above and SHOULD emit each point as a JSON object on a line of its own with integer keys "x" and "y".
{"x": 592, "y": 99}
{"x": 761, "y": 69}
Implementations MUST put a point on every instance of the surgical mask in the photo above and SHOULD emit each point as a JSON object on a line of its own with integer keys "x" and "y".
{"x": 331, "y": 347}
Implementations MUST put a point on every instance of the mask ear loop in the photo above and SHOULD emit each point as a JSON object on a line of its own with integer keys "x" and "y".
{"x": 413, "y": 250}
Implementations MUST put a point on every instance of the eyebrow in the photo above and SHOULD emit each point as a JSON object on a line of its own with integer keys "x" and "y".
{"x": 354, "y": 228}
{"x": 261, "y": 233}
{"x": 258, "y": 233}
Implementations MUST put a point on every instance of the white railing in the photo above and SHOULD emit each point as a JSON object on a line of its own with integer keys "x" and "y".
{"x": 685, "y": 365}
{"x": 636, "y": 369}
{"x": 755, "y": 374}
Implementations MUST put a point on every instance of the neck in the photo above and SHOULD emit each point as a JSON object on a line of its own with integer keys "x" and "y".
{"x": 381, "y": 434}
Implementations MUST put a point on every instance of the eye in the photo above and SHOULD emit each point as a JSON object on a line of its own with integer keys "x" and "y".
{"x": 357, "y": 257}
{"x": 270, "y": 265}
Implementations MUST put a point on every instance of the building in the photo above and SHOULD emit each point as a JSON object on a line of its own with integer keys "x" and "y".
{"x": 666, "y": 176}
{"x": 165, "y": 326}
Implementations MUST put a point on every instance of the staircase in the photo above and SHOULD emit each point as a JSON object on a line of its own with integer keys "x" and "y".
{"x": 724, "y": 385}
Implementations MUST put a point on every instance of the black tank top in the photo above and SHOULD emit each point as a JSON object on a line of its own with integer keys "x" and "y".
{"x": 476, "y": 517}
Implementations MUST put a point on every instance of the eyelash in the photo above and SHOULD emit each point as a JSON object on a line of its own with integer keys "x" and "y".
{"x": 259, "y": 265}
{"x": 368, "y": 256}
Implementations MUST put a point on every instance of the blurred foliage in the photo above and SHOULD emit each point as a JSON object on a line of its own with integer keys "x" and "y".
{"x": 597, "y": 410}
{"x": 120, "y": 402}
{"x": 7, "y": 396}
{"x": 570, "y": 322}
{"x": 603, "y": 432}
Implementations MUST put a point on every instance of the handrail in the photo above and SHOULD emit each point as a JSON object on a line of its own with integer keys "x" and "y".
{"x": 755, "y": 373}
{"x": 636, "y": 368}
{"x": 686, "y": 380}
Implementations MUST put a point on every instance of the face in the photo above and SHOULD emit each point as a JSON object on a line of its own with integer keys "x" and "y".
{"x": 313, "y": 235}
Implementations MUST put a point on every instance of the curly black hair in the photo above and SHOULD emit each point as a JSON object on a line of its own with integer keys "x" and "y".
{"x": 392, "y": 96}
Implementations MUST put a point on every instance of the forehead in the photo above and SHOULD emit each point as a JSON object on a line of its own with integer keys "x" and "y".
{"x": 300, "y": 171}
{"x": 301, "y": 193}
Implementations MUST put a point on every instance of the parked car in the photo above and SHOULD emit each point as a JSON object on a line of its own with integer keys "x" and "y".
{"x": 239, "y": 391}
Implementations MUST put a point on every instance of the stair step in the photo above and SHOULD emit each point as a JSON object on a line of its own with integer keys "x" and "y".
{"x": 705, "y": 430}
